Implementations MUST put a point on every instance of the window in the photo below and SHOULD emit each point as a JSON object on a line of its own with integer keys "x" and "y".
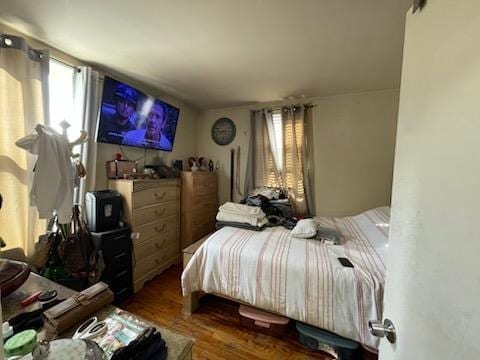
{"x": 278, "y": 131}
{"x": 288, "y": 136}
{"x": 276, "y": 155}
{"x": 61, "y": 98}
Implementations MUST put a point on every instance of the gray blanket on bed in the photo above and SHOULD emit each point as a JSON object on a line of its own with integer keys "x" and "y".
{"x": 221, "y": 224}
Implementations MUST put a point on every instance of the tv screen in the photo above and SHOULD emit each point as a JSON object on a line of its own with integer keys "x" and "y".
{"x": 130, "y": 117}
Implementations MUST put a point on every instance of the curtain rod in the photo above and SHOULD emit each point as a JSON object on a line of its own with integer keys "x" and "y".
{"x": 281, "y": 107}
{"x": 63, "y": 62}
{"x": 76, "y": 67}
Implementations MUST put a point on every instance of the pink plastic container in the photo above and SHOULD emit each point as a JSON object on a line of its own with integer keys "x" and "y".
{"x": 262, "y": 321}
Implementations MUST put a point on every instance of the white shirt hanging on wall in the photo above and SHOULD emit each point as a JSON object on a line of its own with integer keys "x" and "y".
{"x": 53, "y": 180}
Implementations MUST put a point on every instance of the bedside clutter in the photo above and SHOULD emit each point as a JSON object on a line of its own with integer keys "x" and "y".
{"x": 128, "y": 324}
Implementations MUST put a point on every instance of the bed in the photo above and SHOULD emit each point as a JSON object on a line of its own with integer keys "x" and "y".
{"x": 300, "y": 278}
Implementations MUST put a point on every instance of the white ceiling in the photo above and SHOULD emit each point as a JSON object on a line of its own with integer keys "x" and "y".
{"x": 216, "y": 53}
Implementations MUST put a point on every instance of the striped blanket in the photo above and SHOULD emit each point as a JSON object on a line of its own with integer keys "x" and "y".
{"x": 301, "y": 278}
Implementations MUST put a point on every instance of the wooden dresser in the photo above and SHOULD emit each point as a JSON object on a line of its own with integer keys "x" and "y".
{"x": 199, "y": 205}
{"x": 152, "y": 209}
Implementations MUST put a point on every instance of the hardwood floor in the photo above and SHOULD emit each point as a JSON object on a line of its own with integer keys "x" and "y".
{"x": 215, "y": 326}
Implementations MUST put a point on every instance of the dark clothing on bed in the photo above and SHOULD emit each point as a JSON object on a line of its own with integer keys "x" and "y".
{"x": 221, "y": 224}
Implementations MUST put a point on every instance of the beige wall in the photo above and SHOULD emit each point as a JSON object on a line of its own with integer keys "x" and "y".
{"x": 185, "y": 144}
{"x": 353, "y": 145}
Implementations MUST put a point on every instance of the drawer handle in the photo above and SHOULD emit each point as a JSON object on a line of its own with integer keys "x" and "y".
{"x": 120, "y": 274}
{"x": 121, "y": 291}
{"x": 159, "y": 261}
{"x": 159, "y": 246}
{"x": 160, "y": 229}
{"x": 160, "y": 197}
{"x": 120, "y": 255}
{"x": 160, "y": 213}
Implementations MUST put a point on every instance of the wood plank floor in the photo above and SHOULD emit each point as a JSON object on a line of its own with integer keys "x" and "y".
{"x": 215, "y": 326}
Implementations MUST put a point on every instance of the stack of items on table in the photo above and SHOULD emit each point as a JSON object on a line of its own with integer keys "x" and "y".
{"x": 121, "y": 336}
{"x": 149, "y": 345}
{"x": 242, "y": 216}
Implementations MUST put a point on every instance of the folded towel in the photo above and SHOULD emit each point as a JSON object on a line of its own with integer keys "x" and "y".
{"x": 240, "y": 209}
{"x": 252, "y": 220}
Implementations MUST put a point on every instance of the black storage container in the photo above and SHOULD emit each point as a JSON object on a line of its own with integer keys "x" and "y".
{"x": 116, "y": 247}
{"x": 322, "y": 340}
{"x": 103, "y": 210}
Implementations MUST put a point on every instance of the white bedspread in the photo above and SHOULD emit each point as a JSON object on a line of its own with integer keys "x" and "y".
{"x": 301, "y": 278}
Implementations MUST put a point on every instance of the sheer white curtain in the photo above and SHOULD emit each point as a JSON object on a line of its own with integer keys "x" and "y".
{"x": 23, "y": 104}
{"x": 86, "y": 103}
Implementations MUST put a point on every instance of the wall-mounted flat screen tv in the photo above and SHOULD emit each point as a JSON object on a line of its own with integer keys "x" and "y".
{"x": 130, "y": 117}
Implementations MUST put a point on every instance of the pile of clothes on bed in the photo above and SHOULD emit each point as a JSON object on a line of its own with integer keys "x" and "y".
{"x": 263, "y": 207}
{"x": 268, "y": 207}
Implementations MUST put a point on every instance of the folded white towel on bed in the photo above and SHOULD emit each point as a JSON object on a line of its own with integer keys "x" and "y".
{"x": 240, "y": 209}
{"x": 245, "y": 219}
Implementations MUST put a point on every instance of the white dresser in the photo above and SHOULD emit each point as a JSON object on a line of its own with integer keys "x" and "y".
{"x": 152, "y": 209}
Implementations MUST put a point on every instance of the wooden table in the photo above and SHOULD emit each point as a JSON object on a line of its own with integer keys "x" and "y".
{"x": 179, "y": 346}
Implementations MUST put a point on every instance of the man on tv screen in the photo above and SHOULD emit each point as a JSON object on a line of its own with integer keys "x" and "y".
{"x": 115, "y": 126}
{"x": 152, "y": 136}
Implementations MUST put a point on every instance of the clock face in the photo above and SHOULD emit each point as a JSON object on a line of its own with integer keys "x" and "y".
{"x": 223, "y": 131}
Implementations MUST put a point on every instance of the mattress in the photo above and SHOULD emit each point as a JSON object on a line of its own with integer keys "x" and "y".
{"x": 301, "y": 278}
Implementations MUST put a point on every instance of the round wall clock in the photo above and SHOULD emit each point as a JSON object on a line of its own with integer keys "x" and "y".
{"x": 223, "y": 131}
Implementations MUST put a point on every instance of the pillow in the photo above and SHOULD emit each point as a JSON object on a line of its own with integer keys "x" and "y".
{"x": 305, "y": 229}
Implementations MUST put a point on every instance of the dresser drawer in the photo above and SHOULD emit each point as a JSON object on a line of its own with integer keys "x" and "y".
{"x": 154, "y": 196}
{"x": 152, "y": 213}
{"x": 200, "y": 230}
{"x": 121, "y": 284}
{"x": 157, "y": 244}
{"x": 200, "y": 216}
{"x": 155, "y": 261}
{"x": 202, "y": 200}
{"x": 205, "y": 184}
{"x": 139, "y": 185}
{"x": 117, "y": 249}
{"x": 121, "y": 278}
{"x": 117, "y": 272}
{"x": 145, "y": 232}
